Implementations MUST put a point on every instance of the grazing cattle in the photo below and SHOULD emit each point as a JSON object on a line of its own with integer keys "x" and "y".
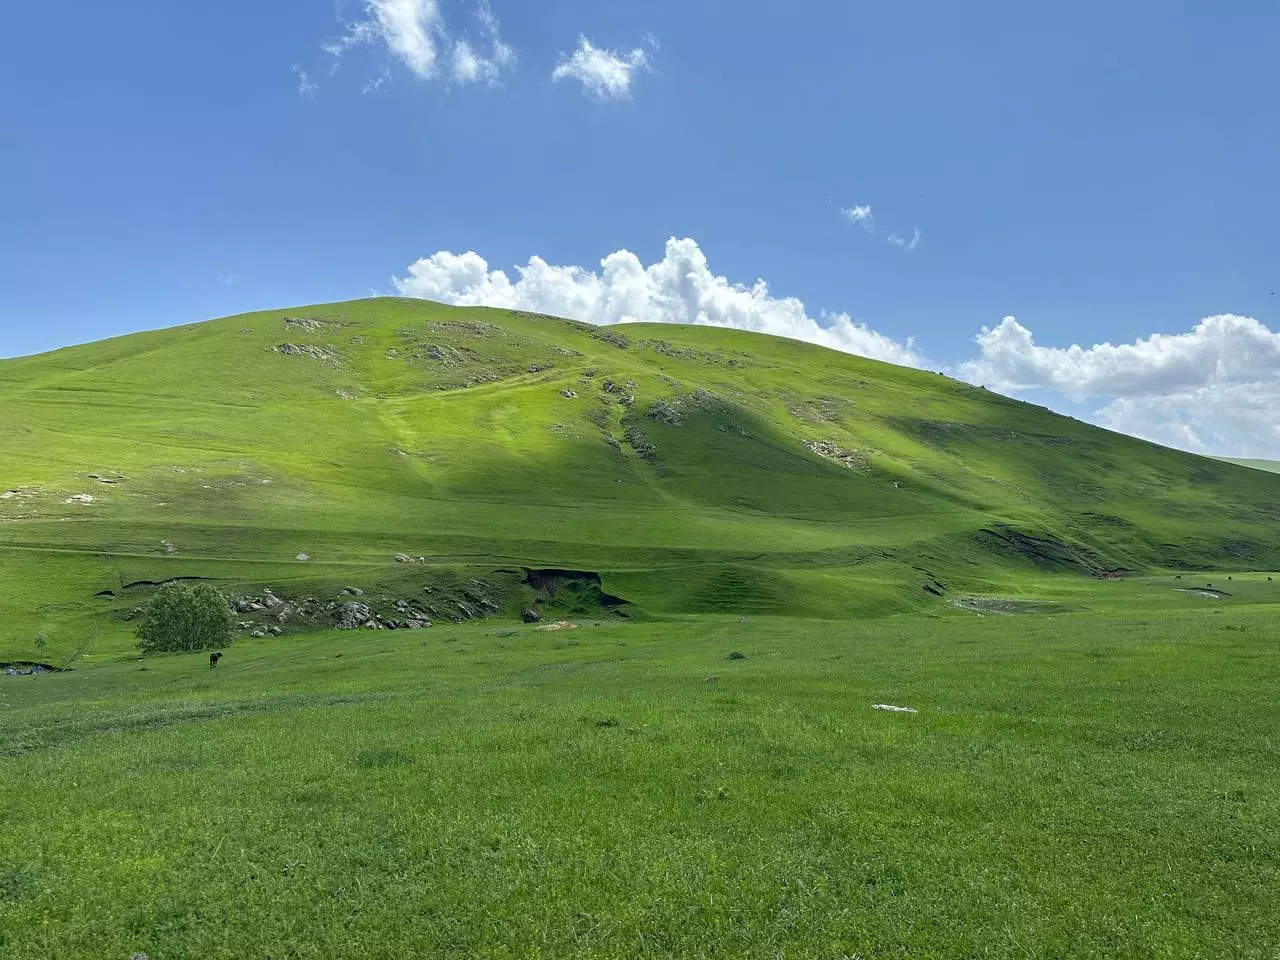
{"x": 1178, "y": 577}
{"x": 213, "y": 660}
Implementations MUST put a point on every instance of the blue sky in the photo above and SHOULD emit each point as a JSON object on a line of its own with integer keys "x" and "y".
{"x": 1107, "y": 173}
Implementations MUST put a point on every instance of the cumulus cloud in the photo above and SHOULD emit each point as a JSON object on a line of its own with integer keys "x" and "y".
{"x": 1213, "y": 389}
{"x": 679, "y": 288}
{"x": 604, "y": 74}
{"x": 414, "y": 33}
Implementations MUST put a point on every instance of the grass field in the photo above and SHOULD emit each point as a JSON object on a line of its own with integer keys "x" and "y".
{"x": 1099, "y": 782}
{"x": 754, "y": 541}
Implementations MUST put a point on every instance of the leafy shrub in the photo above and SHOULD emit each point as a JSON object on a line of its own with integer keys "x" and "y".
{"x": 180, "y": 617}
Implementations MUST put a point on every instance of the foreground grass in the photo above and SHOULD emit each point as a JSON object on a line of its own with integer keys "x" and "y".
{"x": 1100, "y": 783}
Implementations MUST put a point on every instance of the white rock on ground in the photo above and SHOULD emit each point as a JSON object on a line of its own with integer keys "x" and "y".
{"x": 892, "y": 709}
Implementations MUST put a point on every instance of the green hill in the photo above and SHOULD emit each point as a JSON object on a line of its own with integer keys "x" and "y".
{"x": 646, "y": 470}
{"x": 1270, "y": 466}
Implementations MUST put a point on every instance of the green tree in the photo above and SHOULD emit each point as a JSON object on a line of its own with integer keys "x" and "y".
{"x": 180, "y": 617}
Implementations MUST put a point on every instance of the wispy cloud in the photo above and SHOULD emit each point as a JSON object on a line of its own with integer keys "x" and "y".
{"x": 900, "y": 241}
{"x": 306, "y": 87}
{"x": 604, "y": 74}
{"x": 862, "y": 215}
{"x": 415, "y": 35}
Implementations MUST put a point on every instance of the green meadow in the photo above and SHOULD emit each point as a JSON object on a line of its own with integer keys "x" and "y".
{"x": 738, "y": 546}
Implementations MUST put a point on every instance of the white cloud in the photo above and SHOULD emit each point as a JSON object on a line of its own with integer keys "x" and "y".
{"x": 862, "y": 215}
{"x": 1214, "y": 389}
{"x": 415, "y": 34}
{"x": 900, "y": 241}
{"x": 604, "y": 74}
{"x": 679, "y": 288}
{"x": 306, "y": 87}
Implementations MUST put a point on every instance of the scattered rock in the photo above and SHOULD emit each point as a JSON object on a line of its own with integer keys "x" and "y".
{"x": 638, "y": 442}
{"x": 309, "y": 324}
{"x": 352, "y": 592}
{"x": 403, "y": 558}
{"x": 890, "y": 708}
{"x": 168, "y": 547}
{"x": 559, "y": 625}
{"x": 303, "y": 558}
{"x": 530, "y": 615}
{"x": 712, "y": 680}
{"x": 665, "y": 412}
{"x": 828, "y": 449}
{"x": 539, "y": 367}
{"x": 274, "y": 631}
{"x": 612, "y": 337}
{"x": 737, "y": 655}
{"x": 568, "y": 394}
{"x": 258, "y": 634}
{"x": 353, "y": 615}
{"x": 347, "y": 395}
{"x": 326, "y": 355}
{"x": 81, "y": 498}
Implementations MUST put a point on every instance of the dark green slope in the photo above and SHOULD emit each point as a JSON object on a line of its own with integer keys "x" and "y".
{"x": 695, "y": 469}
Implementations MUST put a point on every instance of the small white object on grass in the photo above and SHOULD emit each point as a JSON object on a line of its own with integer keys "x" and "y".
{"x": 892, "y": 709}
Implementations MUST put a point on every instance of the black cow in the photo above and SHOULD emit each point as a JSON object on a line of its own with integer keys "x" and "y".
{"x": 213, "y": 660}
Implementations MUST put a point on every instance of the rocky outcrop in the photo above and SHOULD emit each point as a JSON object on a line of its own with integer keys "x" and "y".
{"x": 353, "y": 615}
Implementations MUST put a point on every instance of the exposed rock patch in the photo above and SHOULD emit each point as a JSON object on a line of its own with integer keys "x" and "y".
{"x": 308, "y": 324}
{"x": 830, "y": 450}
{"x": 638, "y": 442}
{"x": 612, "y": 337}
{"x": 326, "y": 355}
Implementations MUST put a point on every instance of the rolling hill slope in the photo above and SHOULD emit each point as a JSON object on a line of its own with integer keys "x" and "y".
{"x": 695, "y": 470}
{"x": 1269, "y": 466}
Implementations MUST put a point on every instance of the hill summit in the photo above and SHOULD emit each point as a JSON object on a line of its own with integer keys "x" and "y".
{"x": 501, "y": 457}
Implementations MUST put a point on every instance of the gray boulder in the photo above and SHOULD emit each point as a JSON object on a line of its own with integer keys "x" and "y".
{"x": 354, "y": 615}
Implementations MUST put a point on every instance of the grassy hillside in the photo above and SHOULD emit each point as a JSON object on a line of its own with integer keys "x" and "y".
{"x": 695, "y": 470}
{"x": 1270, "y": 466}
